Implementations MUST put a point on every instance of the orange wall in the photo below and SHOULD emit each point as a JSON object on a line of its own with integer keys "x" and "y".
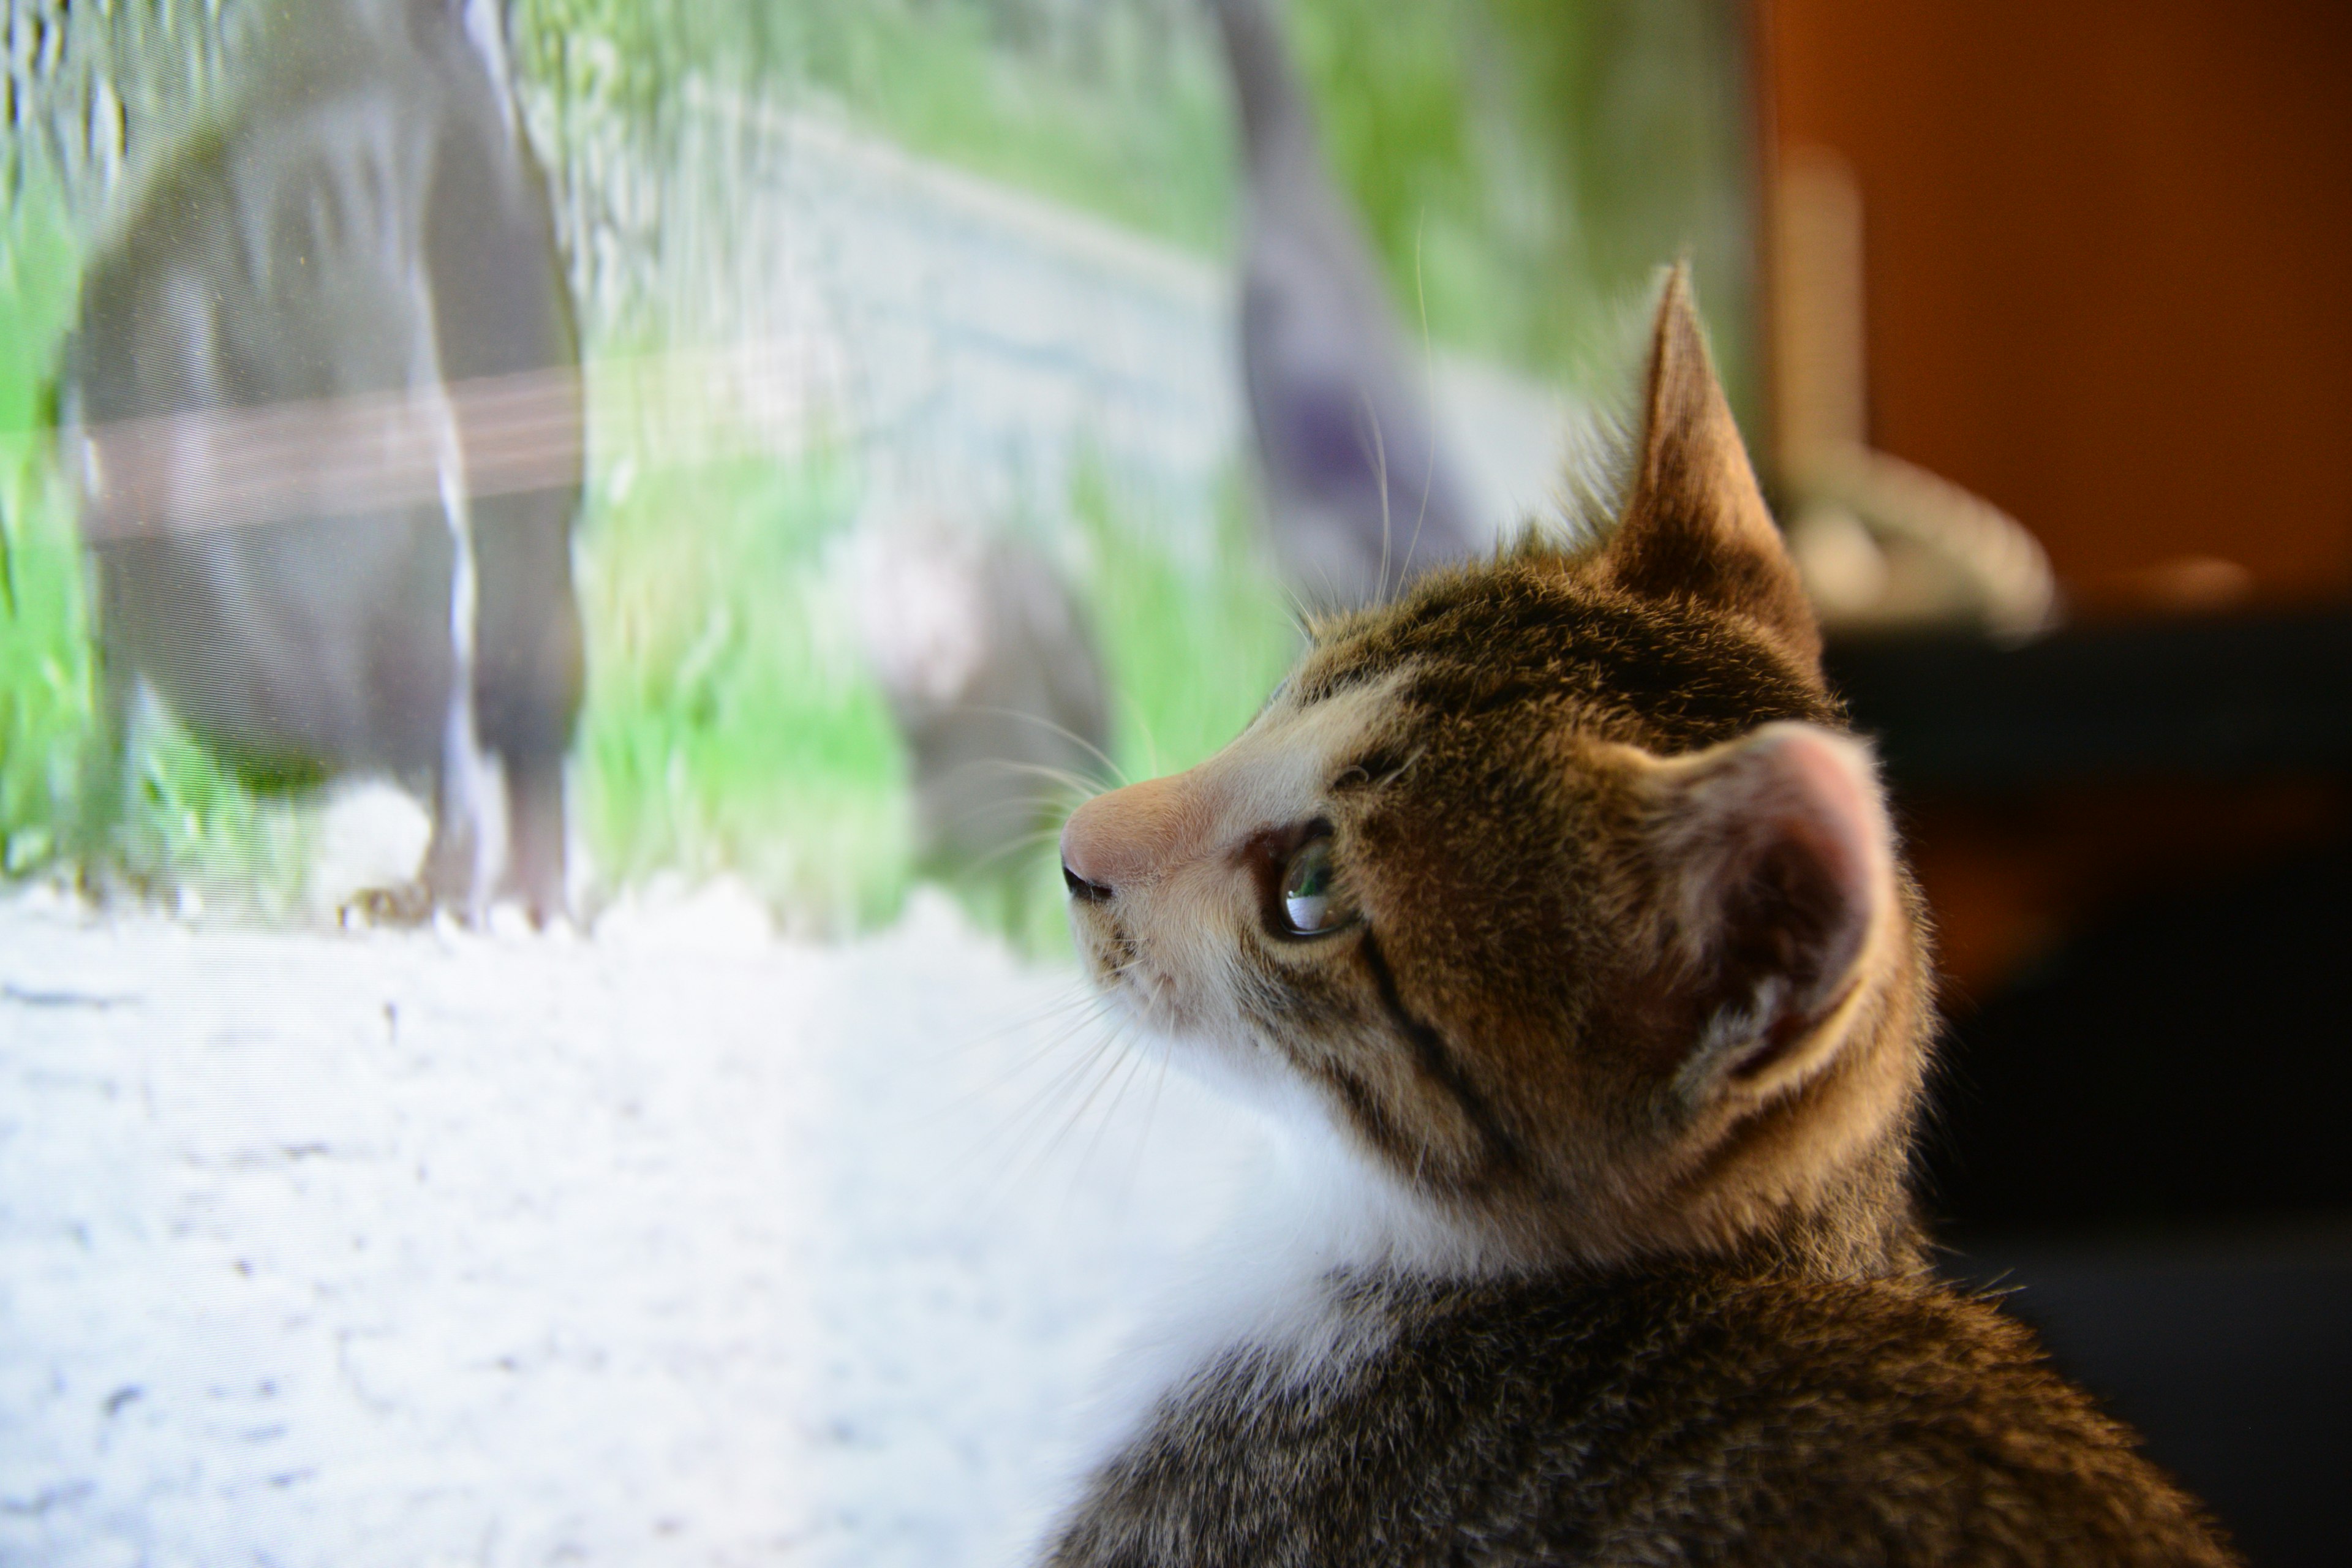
{"x": 2109, "y": 262}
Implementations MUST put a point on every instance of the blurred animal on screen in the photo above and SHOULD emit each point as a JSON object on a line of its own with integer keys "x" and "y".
{"x": 323, "y": 407}
{"x": 1359, "y": 494}
{"x": 992, "y": 674}
{"x": 1555, "y": 921}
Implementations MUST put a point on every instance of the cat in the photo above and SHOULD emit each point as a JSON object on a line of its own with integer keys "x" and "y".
{"x": 1559, "y": 923}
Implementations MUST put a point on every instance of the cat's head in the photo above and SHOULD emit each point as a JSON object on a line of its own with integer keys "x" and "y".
{"x": 1556, "y": 887}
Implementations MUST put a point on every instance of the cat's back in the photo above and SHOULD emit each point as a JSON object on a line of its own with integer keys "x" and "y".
{"x": 1689, "y": 1416}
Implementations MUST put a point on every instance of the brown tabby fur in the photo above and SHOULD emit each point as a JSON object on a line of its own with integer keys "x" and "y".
{"x": 1673, "y": 1414}
{"x": 1622, "y": 1043}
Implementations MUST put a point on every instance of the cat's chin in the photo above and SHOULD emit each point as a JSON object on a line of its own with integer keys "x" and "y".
{"x": 1145, "y": 994}
{"x": 1227, "y": 1062}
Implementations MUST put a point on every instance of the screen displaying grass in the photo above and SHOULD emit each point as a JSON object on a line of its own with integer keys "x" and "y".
{"x": 1523, "y": 167}
{"x": 730, "y": 724}
{"x": 45, "y": 690}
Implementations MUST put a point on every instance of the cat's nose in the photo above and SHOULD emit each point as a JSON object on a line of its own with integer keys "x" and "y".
{"x": 1116, "y": 840}
{"x": 1082, "y": 889}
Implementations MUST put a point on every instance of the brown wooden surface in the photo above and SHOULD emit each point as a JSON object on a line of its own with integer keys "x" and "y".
{"x": 2109, "y": 265}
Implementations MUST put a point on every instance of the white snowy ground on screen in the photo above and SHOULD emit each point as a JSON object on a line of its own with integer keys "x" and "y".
{"x": 675, "y": 1245}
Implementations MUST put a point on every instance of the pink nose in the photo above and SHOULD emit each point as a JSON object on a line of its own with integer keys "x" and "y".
{"x": 1119, "y": 839}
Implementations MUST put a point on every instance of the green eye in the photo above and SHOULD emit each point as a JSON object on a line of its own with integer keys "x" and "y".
{"x": 1310, "y": 904}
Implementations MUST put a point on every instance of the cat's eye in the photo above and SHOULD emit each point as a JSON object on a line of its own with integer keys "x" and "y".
{"x": 1310, "y": 899}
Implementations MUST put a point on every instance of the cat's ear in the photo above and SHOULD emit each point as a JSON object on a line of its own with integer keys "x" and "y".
{"x": 1777, "y": 861}
{"x": 1695, "y": 523}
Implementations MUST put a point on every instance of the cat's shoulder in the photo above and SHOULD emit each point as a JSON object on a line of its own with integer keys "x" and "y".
{"x": 1785, "y": 1348}
{"x": 1724, "y": 1410}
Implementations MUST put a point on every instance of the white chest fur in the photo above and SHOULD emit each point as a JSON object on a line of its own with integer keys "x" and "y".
{"x": 1289, "y": 1285}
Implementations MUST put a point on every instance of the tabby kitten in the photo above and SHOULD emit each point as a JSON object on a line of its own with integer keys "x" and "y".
{"x": 1561, "y": 924}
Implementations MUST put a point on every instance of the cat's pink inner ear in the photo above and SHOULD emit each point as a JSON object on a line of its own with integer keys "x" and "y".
{"x": 1781, "y": 852}
{"x": 1695, "y": 524}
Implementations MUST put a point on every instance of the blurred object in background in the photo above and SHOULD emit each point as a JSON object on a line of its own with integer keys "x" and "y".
{"x": 996, "y": 682}
{"x": 1879, "y": 542}
{"x": 2105, "y": 259}
{"x": 1359, "y": 493}
{"x": 323, "y": 408}
{"x": 2104, "y": 271}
